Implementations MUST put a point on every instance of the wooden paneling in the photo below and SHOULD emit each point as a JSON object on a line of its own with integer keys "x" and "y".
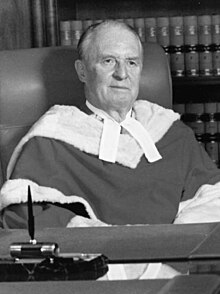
{"x": 15, "y": 28}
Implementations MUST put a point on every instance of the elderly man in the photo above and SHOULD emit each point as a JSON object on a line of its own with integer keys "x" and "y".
{"x": 115, "y": 161}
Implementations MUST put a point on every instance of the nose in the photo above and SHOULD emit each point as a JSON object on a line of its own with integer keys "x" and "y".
{"x": 120, "y": 72}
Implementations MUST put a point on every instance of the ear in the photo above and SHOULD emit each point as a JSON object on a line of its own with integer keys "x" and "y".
{"x": 80, "y": 69}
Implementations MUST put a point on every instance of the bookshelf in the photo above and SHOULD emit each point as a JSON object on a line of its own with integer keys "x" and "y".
{"x": 81, "y": 10}
{"x": 37, "y": 23}
{"x": 204, "y": 89}
{"x": 198, "y": 96}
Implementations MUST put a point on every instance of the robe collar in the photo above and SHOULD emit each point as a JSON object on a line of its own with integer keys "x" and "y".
{"x": 83, "y": 131}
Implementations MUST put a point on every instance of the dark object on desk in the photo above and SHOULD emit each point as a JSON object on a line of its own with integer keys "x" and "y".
{"x": 54, "y": 269}
{"x": 31, "y": 223}
{"x": 33, "y": 249}
{"x": 41, "y": 261}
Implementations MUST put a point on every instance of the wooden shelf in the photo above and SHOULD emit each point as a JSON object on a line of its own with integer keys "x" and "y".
{"x": 196, "y": 81}
{"x": 198, "y": 89}
{"x": 101, "y": 9}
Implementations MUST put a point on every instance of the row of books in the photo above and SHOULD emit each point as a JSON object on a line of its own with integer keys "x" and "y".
{"x": 192, "y": 43}
{"x": 204, "y": 119}
{"x": 167, "y": 31}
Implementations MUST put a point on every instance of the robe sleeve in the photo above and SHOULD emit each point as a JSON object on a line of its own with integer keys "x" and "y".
{"x": 197, "y": 167}
{"x": 39, "y": 163}
{"x": 46, "y": 215}
{"x": 201, "y": 195}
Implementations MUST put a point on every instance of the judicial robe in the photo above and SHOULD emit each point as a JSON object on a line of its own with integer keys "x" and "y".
{"x": 58, "y": 158}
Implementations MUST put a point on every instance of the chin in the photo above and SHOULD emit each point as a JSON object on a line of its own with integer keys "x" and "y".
{"x": 124, "y": 101}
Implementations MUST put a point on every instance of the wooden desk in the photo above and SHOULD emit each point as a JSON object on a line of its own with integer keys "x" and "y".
{"x": 180, "y": 285}
{"x": 210, "y": 246}
{"x": 120, "y": 243}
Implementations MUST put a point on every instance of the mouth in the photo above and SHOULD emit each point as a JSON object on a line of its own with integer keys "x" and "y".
{"x": 119, "y": 87}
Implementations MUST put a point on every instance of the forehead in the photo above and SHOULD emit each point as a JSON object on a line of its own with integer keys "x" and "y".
{"x": 116, "y": 41}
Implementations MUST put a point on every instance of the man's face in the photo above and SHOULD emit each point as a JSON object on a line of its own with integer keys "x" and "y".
{"x": 113, "y": 69}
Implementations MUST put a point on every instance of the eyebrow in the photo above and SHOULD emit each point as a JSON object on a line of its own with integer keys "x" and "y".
{"x": 113, "y": 56}
{"x": 134, "y": 58}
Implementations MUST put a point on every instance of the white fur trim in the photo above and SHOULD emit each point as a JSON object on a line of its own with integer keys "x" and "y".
{"x": 70, "y": 125}
{"x": 156, "y": 119}
{"x": 15, "y": 192}
{"x": 203, "y": 207}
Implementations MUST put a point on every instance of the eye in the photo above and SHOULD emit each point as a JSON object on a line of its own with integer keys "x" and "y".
{"x": 132, "y": 63}
{"x": 109, "y": 61}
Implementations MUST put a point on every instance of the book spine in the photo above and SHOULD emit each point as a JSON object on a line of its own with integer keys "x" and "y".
{"x": 176, "y": 31}
{"x": 216, "y": 60}
{"x": 204, "y": 119}
{"x": 51, "y": 22}
{"x": 217, "y": 118}
{"x": 150, "y": 29}
{"x": 139, "y": 26}
{"x": 211, "y": 131}
{"x": 163, "y": 31}
{"x": 177, "y": 46}
{"x": 211, "y": 126}
{"x": 190, "y": 27}
{"x": 76, "y": 31}
{"x": 38, "y": 29}
{"x": 205, "y": 41}
{"x": 163, "y": 34}
{"x": 215, "y": 19}
{"x": 65, "y": 33}
{"x": 216, "y": 44}
{"x": 193, "y": 118}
